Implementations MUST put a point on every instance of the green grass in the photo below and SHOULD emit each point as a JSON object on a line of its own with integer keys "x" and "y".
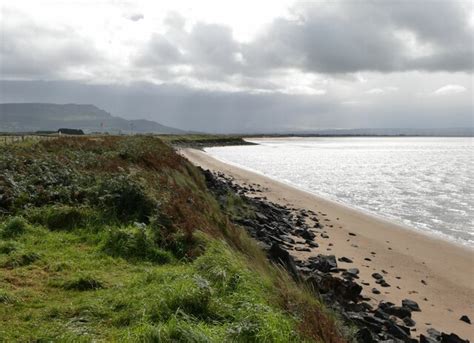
{"x": 203, "y": 140}
{"x": 118, "y": 239}
{"x": 77, "y": 289}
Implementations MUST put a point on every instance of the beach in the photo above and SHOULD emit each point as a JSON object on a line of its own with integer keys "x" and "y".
{"x": 437, "y": 274}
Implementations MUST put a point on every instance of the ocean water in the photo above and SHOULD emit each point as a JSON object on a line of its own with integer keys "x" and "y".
{"x": 424, "y": 183}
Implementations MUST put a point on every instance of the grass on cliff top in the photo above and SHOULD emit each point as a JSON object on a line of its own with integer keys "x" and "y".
{"x": 118, "y": 239}
{"x": 202, "y": 140}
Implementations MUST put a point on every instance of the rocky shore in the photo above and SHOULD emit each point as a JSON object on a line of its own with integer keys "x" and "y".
{"x": 285, "y": 231}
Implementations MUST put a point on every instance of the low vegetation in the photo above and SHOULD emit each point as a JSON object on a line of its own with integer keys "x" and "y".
{"x": 203, "y": 140}
{"x": 118, "y": 239}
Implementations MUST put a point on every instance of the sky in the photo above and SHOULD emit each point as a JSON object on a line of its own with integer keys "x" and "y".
{"x": 246, "y": 66}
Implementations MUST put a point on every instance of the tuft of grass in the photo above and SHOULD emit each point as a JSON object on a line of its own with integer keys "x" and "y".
{"x": 134, "y": 243}
{"x": 16, "y": 260}
{"x": 7, "y": 247}
{"x": 6, "y": 298}
{"x": 84, "y": 283}
{"x": 14, "y": 227}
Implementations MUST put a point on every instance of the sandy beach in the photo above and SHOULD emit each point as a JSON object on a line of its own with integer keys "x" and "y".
{"x": 437, "y": 274}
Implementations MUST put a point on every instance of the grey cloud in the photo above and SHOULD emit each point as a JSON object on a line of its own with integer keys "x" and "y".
{"x": 159, "y": 51}
{"x": 31, "y": 51}
{"x": 338, "y": 38}
{"x": 174, "y": 20}
{"x": 136, "y": 17}
{"x": 353, "y": 36}
{"x": 209, "y": 49}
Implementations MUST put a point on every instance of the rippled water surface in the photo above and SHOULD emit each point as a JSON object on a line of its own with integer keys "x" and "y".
{"x": 426, "y": 183}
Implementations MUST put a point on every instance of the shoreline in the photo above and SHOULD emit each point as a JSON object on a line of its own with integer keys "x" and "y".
{"x": 429, "y": 235}
{"x": 410, "y": 260}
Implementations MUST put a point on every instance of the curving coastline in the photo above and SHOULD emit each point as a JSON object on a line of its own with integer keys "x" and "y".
{"x": 435, "y": 273}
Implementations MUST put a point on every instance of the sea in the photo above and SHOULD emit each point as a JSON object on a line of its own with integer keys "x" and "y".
{"x": 424, "y": 183}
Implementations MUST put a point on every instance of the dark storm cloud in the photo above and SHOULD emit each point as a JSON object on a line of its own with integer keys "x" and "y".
{"x": 353, "y": 36}
{"x": 336, "y": 37}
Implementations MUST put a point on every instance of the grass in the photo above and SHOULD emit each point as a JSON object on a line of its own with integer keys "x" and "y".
{"x": 203, "y": 140}
{"x": 118, "y": 239}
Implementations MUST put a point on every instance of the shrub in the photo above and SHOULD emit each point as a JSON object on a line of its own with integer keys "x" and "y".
{"x": 14, "y": 227}
{"x": 134, "y": 243}
{"x": 62, "y": 217}
{"x": 126, "y": 199}
{"x": 84, "y": 283}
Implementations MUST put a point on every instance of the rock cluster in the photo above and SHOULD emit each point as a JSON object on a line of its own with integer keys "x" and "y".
{"x": 280, "y": 229}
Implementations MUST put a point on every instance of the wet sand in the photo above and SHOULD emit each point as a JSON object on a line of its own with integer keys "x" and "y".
{"x": 437, "y": 274}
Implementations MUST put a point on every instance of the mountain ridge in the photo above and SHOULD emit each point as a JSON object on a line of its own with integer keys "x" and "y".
{"x": 28, "y": 117}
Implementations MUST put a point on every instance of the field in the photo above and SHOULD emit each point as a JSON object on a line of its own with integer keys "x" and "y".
{"x": 118, "y": 239}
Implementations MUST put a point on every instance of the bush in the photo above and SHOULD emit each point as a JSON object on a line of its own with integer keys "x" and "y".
{"x": 126, "y": 199}
{"x": 62, "y": 217}
{"x": 134, "y": 243}
{"x": 14, "y": 227}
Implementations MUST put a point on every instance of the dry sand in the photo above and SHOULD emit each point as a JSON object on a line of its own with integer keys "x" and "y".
{"x": 406, "y": 255}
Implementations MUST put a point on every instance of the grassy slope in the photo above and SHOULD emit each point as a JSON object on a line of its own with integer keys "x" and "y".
{"x": 203, "y": 140}
{"x": 118, "y": 239}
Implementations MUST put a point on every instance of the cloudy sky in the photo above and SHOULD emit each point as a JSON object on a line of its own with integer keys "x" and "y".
{"x": 235, "y": 66}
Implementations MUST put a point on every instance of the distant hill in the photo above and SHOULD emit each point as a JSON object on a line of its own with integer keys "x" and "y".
{"x": 425, "y": 132}
{"x": 30, "y": 117}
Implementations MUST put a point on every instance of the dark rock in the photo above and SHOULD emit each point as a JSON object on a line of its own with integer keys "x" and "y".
{"x": 261, "y": 217}
{"x": 412, "y": 305}
{"x": 302, "y": 249}
{"x": 279, "y": 255}
{"x": 323, "y": 263}
{"x": 398, "y": 331}
{"x": 352, "y": 234}
{"x": 340, "y": 288}
{"x": 397, "y": 311}
{"x": 433, "y": 333}
{"x": 353, "y": 271}
{"x": 306, "y": 234}
{"x": 312, "y": 244}
{"x": 424, "y": 339}
{"x": 287, "y": 239}
{"x": 452, "y": 338}
{"x": 344, "y": 259}
{"x": 364, "y": 336}
{"x": 409, "y": 322}
{"x": 465, "y": 319}
{"x": 375, "y": 291}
